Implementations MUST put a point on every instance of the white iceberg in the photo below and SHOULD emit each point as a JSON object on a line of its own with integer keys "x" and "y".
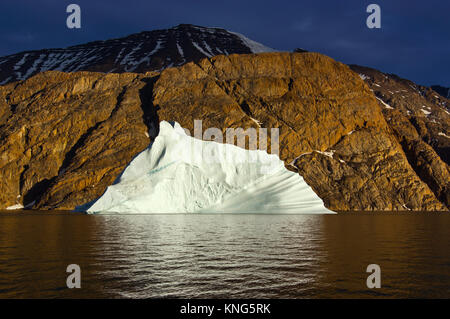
{"x": 181, "y": 174}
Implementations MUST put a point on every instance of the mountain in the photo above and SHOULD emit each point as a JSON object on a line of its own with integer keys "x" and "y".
{"x": 427, "y": 111}
{"x": 362, "y": 139}
{"x": 420, "y": 119}
{"x": 445, "y": 92}
{"x": 142, "y": 52}
{"x": 65, "y": 137}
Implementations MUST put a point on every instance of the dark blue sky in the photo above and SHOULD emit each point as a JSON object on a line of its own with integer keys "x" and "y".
{"x": 414, "y": 41}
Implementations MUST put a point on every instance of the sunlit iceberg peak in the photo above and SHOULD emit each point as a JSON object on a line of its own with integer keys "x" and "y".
{"x": 181, "y": 174}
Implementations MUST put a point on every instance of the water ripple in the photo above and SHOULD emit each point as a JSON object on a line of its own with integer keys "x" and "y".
{"x": 224, "y": 256}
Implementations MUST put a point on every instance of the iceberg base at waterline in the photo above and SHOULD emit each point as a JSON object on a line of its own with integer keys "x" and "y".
{"x": 181, "y": 174}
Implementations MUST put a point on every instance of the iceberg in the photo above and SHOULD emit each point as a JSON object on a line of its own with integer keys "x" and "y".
{"x": 178, "y": 173}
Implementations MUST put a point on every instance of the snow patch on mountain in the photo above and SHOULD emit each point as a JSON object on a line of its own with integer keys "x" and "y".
{"x": 180, "y": 50}
{"x": 384, "y": 103}
{"x": 15, "y": 207}
{"x": 209, "y": 55}
{"x": 254, "y": 46}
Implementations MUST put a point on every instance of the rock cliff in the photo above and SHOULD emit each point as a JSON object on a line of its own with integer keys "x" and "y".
{"x": 66, "y": 136}
{"x": 420, "y": 119}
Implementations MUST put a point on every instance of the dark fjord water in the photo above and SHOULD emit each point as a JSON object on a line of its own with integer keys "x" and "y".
{"x": 224, "y": 256}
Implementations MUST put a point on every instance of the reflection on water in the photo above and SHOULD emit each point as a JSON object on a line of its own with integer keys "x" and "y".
{"x": 224, "y": 256}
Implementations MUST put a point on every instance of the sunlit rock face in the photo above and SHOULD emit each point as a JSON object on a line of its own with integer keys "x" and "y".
{"x": 420, "y": 119}
{"x": 66, "y": 137}
{"x": 182, "y": 174}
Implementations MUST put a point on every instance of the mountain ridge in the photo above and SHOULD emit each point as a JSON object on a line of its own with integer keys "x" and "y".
{"x": 444, "y": 91}
{"x": 328, "y": 137}
{"x": 65, "y": 137}
{"x": 139, "y": 52}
